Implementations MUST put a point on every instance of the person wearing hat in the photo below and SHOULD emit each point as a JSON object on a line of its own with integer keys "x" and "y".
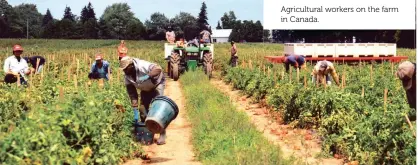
{"x": 170, "y": 35}
{"x": 406, "y": 73}
{"x": 234, "y": 57}
{"x": 150, "y": 79}
{"x": 323, "y": 69}
{"x": 33, "y": 61}
{"x": 122, "y": 50}
{"x": 294, "y": 60}
{"x": 100, "y": 68}
{"x": 15, "y": 66}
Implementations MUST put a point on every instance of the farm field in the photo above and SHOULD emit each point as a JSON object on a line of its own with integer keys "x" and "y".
{"x": 61, "y": 119}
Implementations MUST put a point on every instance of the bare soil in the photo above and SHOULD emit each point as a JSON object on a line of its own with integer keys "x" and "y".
{"x": 303, "y": 144}
{"x": 178, "y": 149}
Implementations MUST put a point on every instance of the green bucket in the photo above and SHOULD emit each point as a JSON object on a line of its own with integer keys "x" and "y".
{"x": 191, "y": 65}
{"x": 162, "y": 111}
{"x": 143, "y": 135}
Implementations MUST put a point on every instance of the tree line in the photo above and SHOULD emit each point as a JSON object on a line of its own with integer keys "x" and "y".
{"x": 116, "y": 22}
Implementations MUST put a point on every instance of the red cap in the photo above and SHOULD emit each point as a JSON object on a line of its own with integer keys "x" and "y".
{"x": 17, "y": 48}
{"x": 99, "y": 57}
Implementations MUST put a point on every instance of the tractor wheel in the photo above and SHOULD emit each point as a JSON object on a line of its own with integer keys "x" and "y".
{"x": 174, "y": 63}
{"x": 169, "y": 69}
{"x": 208, "y": 64}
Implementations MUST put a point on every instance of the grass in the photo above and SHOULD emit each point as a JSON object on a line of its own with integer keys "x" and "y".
{"x": 221, "y": 134}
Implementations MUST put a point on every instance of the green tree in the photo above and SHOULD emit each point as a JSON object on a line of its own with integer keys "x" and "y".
{"x": 228, "y": 20}
{"x": 202, "y": 20}
{"x": 156, "y": 26}
{"x": 68, "y": 14}
{"x": 5, "y": 10}
{"x": 185, "y": 25}
{"x": 89, "y": 22}
{"x": 48, "y": 26}
{"x": 116, "y": 18}
{"x": 20, "y": 16}
{"x": 219, "y": 26}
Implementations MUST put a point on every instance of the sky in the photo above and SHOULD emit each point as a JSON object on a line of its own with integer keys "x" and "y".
{"x": 244, "y": 9}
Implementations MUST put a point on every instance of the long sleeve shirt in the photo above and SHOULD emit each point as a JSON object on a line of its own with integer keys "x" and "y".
{"x": 294, "y": 60}
{"x": 143, "y": 68}
{"x": 15, "y": 65}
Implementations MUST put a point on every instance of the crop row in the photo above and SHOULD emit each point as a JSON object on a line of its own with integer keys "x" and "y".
{"x": 356, "y": 124}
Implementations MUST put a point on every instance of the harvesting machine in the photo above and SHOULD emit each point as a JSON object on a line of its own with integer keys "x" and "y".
{"x": 341, "y": 52}
{"x": 181, "y": 59}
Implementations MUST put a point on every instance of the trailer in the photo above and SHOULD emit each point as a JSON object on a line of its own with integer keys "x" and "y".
{"x": 341, "y": 52}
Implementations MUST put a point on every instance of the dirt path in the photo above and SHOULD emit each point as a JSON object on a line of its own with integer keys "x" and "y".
{"x": 178, "y": 149}
{"x": 297, "y": 142}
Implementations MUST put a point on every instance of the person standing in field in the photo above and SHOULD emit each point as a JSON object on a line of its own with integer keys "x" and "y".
{"x": 15, "y": 66}
{"x": 100, "y": 68}
{"x": 170, "y": 35}
{"x": 33, "y": 61}
{"x": 323, "y": 69}
{"x": 407, "y": 74}
{"x": 234, "y": 57}
{"x": 294, "y": 60}
{"x": 122, "y": 50}
{"x": 150, "y": 79}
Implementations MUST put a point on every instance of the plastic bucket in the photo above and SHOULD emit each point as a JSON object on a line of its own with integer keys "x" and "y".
{"x": 143, "y": 135}
{"x": 192, "y": 65}
{"x": 162, "y": 111}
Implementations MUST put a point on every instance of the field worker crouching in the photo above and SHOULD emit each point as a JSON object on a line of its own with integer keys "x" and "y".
{"x": 407, "y": 74}
{"x": 323, "y": 69}
{"x": 170, "y": 35}
{"x": 33, "y": 61}
{"x": 149, "y": 78}
{"x": 100, "y": 68}
{"x": 234, "y": 56}
{"x": 15, "y": 66}
{"x": 294, "y": 60}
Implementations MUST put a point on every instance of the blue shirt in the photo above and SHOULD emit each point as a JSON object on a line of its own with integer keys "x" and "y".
{"x": 292, "y": 60}
{"x": 103, "y": 72}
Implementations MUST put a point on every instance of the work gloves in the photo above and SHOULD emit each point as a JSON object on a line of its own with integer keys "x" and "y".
{"x": 143, "y": 78}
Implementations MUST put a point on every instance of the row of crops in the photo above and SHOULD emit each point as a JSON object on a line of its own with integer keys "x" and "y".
{"x": 59, "y": 119}
{"x": 364, "y": 120}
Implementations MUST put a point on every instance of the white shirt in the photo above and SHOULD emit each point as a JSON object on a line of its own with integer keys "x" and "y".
{"x": 16, "y": 66}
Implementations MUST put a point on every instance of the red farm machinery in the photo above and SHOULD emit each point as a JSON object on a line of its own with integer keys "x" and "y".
{"x": 341, "y": 52}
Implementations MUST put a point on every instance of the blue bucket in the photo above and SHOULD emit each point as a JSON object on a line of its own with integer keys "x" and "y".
{"x": 162, "y": 111}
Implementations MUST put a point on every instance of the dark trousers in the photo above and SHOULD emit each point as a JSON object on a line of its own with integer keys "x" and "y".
{"x": 10, "y": 79}
{"x": 146, "y": 98}
{"x": 233, "y": 61}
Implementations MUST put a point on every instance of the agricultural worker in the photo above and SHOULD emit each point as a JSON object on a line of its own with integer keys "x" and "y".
{"x": 180, "y": 43}
{"x": 33, "y": 60}
{"x": 122, "y": 50}
{"x": 294, "y": 60}
{"x": 205, "y": 36}
{"x": 170, "y": 35}
{"x": 406, "y": 73}
{"x": 15, "y": 66}
{"x": 323, "y": 69}
{"x": 234, "y": 57}
{"x": 136, "y": 73}
{"x": 100, "y": 68}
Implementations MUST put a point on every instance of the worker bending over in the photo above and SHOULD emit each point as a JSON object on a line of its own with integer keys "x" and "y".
{"x": 322, "y": 70}
{"x": 407, "y": 74}
{"x": 294, "y": 60}
{"x": 33, "y": 61}
{"x": 149, "y": 78}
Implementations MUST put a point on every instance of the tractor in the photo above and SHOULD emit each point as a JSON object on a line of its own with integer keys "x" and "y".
{"x": 190, "y": 57}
